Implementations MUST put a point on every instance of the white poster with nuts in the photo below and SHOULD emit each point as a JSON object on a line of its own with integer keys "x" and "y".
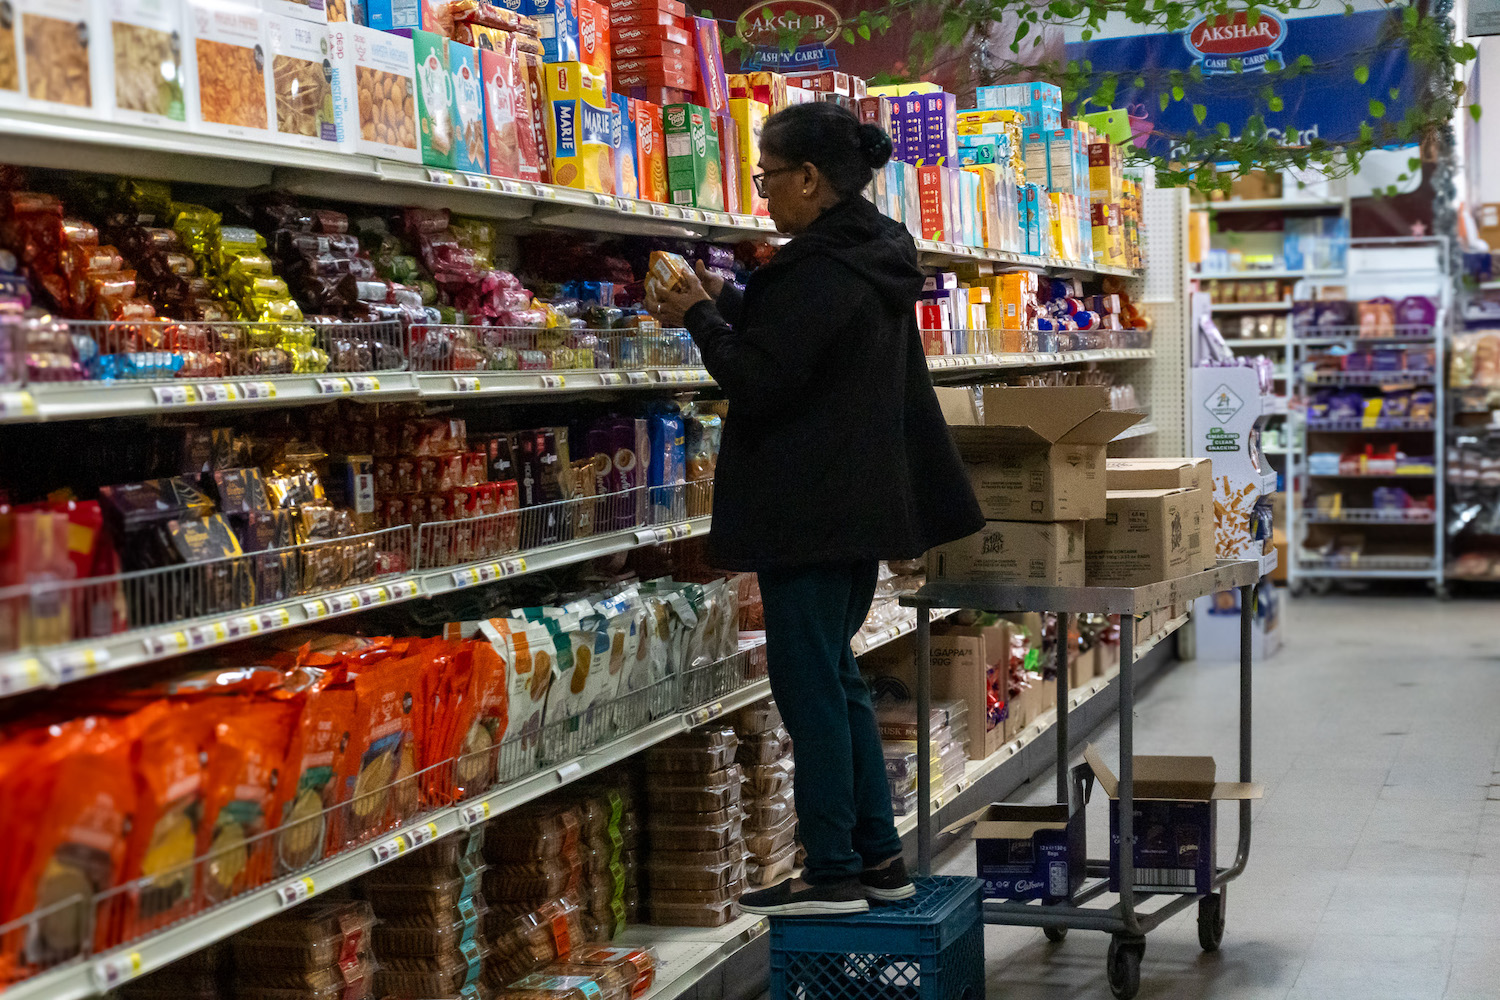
{"x": 59, "y": 60}
{"x": 143, "y": 67}
{"x": 227, "y": 71}
{"x": 374, "y": 92}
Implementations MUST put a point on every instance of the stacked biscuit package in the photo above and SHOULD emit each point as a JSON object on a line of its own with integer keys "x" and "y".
{"x": 431, "y": 909}
{"x": 695, "y": 870}
{"x": 322, "y": 950}
{"x": 765, "y": 759}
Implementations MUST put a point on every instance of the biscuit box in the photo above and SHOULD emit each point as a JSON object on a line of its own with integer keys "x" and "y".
{"x": 693, "y": 169}
{"x": 650, "y": 151}
{"x": 471, "y": 143}
{"x": 227, "y": 71}
{"x": 144, "y": 64}
{"x": 1039, "y": 454}
{"x": 557, "y": 26}
{"x": 1174, "y": 806}
{"x": 580, "y": 127}
{"x": 627, "y": 167}
{"x": 59, "y": 69}
{"x": 374, "y": 88}
{"x": 1032, "y": 851}
{"x": 435, "y": 109}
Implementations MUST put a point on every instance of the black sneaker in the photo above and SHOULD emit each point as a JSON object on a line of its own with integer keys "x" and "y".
{"x": 888, "y": 884}
{"x": 795, "y": 898}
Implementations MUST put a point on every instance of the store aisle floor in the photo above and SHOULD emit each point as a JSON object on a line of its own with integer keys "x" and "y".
{"x": 1375, "y": 861}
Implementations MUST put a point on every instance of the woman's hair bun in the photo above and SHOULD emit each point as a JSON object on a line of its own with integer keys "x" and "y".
{"x": 874, "y": 146}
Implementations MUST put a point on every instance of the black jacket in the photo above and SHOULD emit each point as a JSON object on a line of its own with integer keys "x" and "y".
{"x": 835, "y": 448}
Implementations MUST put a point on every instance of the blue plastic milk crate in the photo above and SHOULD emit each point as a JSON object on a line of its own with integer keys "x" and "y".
{"x": 930, "y": 947}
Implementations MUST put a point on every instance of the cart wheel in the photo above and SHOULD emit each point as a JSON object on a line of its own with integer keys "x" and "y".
{"x": 1211, "y": 920}
{"x": 1057, "y": 935}
{"x": 1442, "y": 592}
{"x": 1124, "y": 966}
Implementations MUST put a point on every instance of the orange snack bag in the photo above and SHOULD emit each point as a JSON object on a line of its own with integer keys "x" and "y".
{"x": 78, "y": 800}
{"x": 310, "y": 785}
{"x": 245, "y": 765}
{"x": 169, "y": 813}
{"x": 669, "y": 270}
{"x": 381, "y": 754}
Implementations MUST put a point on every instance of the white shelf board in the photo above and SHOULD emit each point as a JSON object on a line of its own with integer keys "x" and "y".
{"x": 1284, "y": 305}
{"x": 94, "y": 400}
{"x": 1278, "y": 273}
{"x": 1271, "y": 205}
{"x": 52, "y": 666}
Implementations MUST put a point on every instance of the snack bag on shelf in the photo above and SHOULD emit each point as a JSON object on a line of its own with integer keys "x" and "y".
{"x": 380, "y": 762}
{"x": 302, "y": 104}
{"x": 374, "y": 84}
{"x": 143, "y": 72}
{"x": 227, "y": 70}
{"x": 247, "y": 759}
{"x": 310, "y": 786}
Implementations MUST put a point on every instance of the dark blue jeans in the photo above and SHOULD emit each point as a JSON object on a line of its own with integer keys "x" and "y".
{"x": 843, "y": 801}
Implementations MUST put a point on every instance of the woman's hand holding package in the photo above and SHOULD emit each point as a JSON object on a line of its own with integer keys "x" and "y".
{"x": 670, "y": 305}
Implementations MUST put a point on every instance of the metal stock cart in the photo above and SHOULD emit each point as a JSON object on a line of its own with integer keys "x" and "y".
{"x": 1125, "y": 922}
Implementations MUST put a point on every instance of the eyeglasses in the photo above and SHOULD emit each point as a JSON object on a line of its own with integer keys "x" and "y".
{"x": 760, "y": 178}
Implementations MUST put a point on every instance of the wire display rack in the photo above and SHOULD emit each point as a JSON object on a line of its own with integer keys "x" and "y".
{"x": 1125, "y": 920}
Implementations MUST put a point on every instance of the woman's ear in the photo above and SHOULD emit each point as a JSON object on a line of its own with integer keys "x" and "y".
{"x": 810, "y": 178}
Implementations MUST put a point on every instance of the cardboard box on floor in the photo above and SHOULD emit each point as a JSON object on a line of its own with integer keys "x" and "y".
{"x": 1141, "y": 539}
{"x": 1174, "y": 820}
{"x": 1043, "y": 554}
{"x": 1172, "y": 474}
{"x": 1038, "y": 454}
{"x": 1032, "y": 851}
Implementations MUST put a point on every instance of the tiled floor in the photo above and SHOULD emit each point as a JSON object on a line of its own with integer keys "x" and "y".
{"x": 1375, "y": 862}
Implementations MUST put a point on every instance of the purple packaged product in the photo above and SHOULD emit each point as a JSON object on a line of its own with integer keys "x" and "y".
{"x": 1304, "y": 314}
{"x": 1419, "y": 359}
{"x": 1346, "y": 406}
{"x": 1334, "y": 313}
{"x": 940, "y": 128}
{"x": 1387, "y": 359}
{"x": 1416, "y": 310}
{"x": 1319, "y": 404}
{"x": 906, "y": 128}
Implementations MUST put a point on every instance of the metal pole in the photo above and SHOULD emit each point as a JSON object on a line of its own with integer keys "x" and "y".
{"x": 1062, "y": 707}
{"x": 1127, "y": 771}
{"x": 924, "y": 741}
{"x": 1247, "y": 624}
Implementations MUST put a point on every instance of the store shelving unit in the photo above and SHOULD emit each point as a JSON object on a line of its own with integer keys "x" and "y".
{"x": 687, "y": 955}
{"x": 1391, "y": 268}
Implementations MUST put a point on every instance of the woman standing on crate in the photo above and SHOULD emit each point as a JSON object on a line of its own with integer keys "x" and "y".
{"x": 835, "y": 456}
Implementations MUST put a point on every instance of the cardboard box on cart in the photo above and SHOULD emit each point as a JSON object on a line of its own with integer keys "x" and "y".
{"x": 1039, "y": 454}
{"x": 1173, "y": 474}
{"x": 1032, "y": 851}
{"x": 1174, "y": 807}
{"x": 1142, "y": 539}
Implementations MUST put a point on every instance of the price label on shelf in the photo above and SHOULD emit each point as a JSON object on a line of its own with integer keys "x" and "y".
{"x": 296, "y": 891}
{"x": 569, "y": 771}
{"x": 403, "y": 590}
{"x": 278, "y": 618}
{"x": 218, "y": 392}
{"x": 388, "y": 849}
{"x": 258, "y": 390}
{"x": 648, "y": 536}
{"x": 673, "y": 532}
{"x": 364, "y": 383}
{"x": 166, "y": 644}
{"x": 611, "y": 378}
{"x": 605, "y": 201}
{"x": 513, "y": 566}
{"x": 632, "y": 206}
{"x": 375, "y": 595}
{"x": 424, "y": 834}
{"x": 474, "y": 813}
{"x": 315, "y": 609}
{"x": 466, "y": 383}
{"x": 21, "y": 675}
{"x": 116, "y": 969}
{"x": 78, "y": 663}
{"x": 340, "y": 604}
{"x": 17, "y": 404}
{"x": 513, "y": 187}
{"x": 699, "y": 716}
{"x": 241, "y": 626}
{"x": 546, "y": 191}
{"x": 554, "y": 381}
{"x": 441, "y": 177}
{"x": 175, "y": 395}
{"x": 479, "y": 181}
{"x": 638, "y": 378}
{"x": 334, "y": 386}
{"x": 692, "y": 214}
{"x": 199, "y": 636}
{"x": 658, "y": 209}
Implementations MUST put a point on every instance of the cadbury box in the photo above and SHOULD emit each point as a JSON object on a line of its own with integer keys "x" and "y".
{"x": 1038, "y": 452}
{"x": 1040, "y": 553}
{"x": 1172, "y": 474}
{"x": 1032, "y": 851}
{"x": 1142, "y": 538}
{"x": 1174, "y": 809}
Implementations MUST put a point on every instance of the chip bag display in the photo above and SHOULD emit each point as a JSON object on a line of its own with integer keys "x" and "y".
{"x": 246, "y": 763}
